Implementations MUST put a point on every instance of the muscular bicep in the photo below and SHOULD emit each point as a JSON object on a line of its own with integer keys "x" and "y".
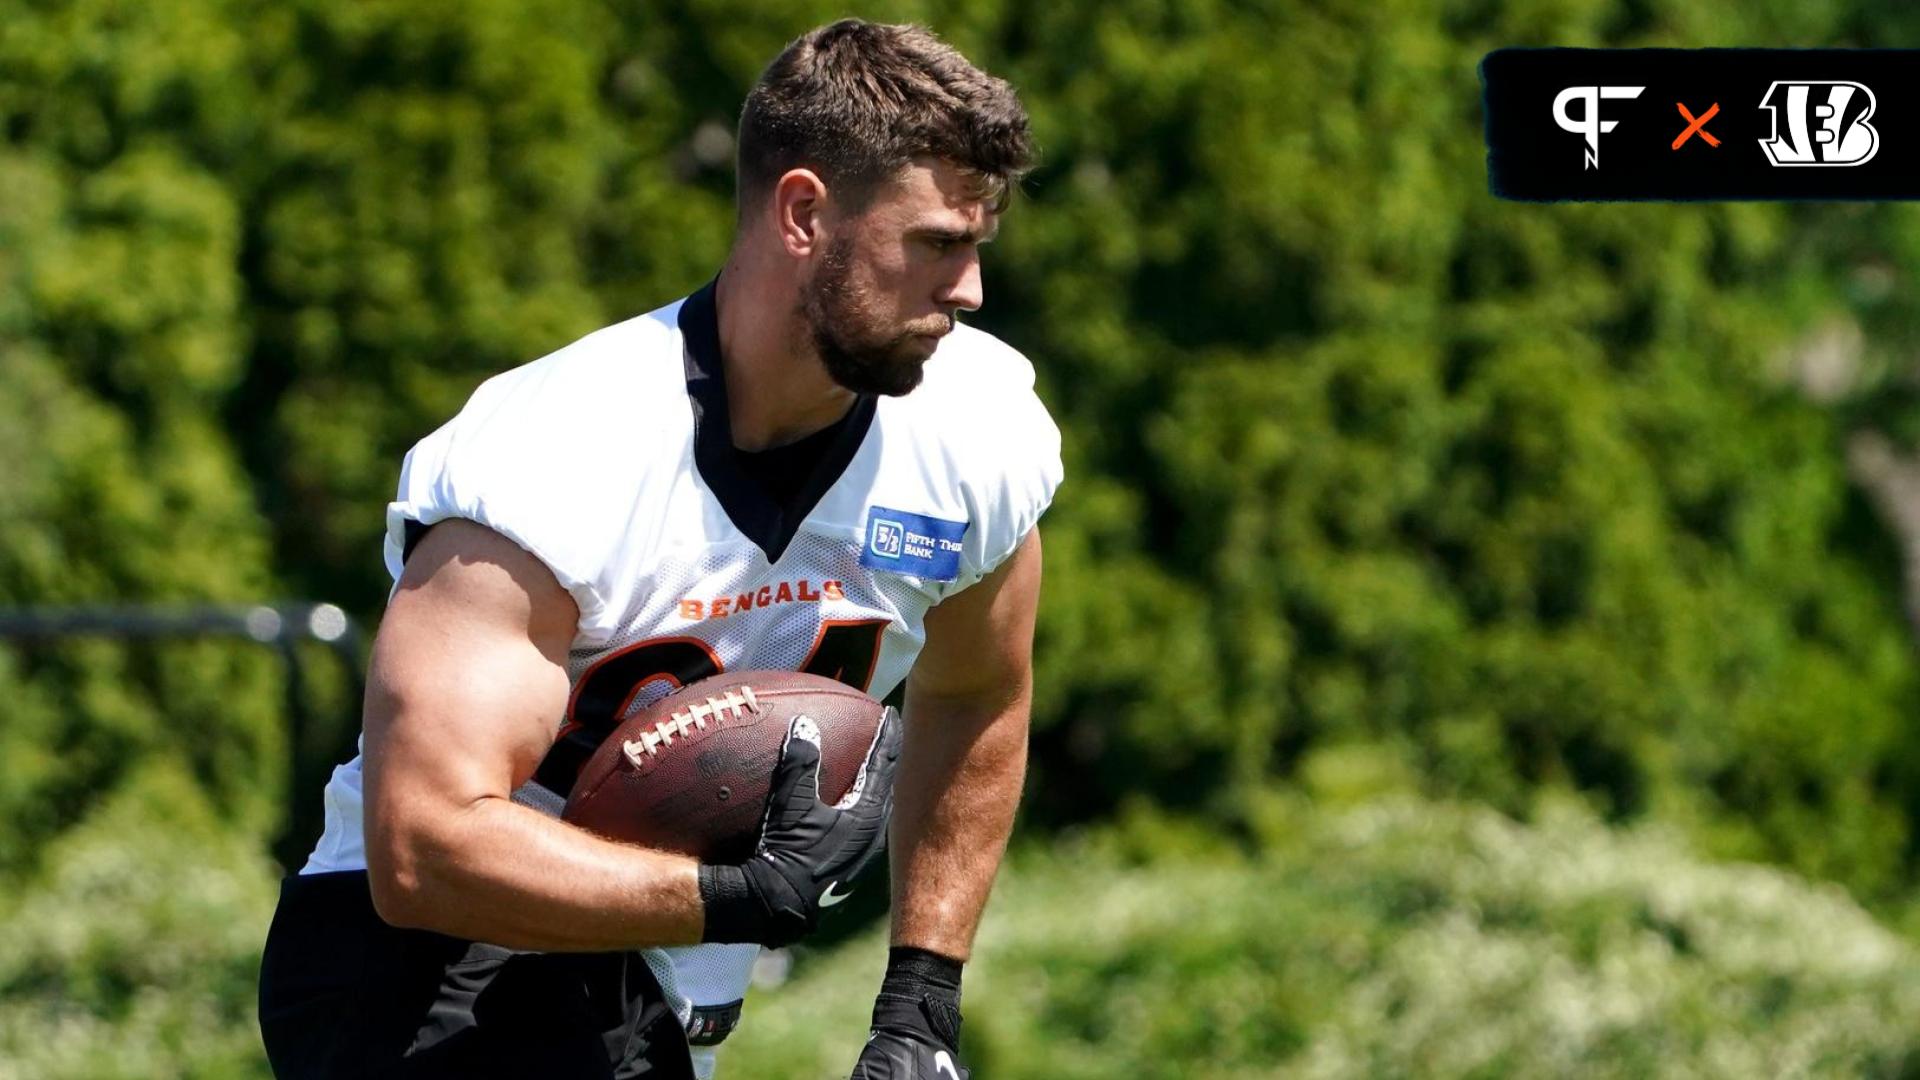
{"x": 468, "y": 679}
{"x": 980, "y": 641}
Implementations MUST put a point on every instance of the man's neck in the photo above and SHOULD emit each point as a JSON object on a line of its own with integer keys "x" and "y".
{"x": 778, "y": 391}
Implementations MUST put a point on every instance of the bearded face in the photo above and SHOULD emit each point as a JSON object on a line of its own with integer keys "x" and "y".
{"x": 863, "y": 350}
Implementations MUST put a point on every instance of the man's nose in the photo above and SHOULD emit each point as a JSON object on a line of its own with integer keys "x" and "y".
{"x": 964, "y": 292}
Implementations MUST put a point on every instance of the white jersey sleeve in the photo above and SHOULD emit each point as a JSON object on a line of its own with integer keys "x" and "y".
{"x": 552, "y": 456}
{"x": 1003, "y": 447}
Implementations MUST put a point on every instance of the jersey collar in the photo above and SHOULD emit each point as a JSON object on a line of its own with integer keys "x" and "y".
{"x": 769, "y": 519}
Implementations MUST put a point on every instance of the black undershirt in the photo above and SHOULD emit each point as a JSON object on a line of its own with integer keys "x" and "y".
{"x": 766, "y": 494}
{"x": 781, "y": 471}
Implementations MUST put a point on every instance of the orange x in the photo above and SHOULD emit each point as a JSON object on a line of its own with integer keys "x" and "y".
{"x": 1697, "y": 125}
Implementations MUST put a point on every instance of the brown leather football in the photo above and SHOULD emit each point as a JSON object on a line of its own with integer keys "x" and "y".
{"x": 690, "y": 773}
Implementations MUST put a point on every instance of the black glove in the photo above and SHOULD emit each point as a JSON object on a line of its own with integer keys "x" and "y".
{"x": 916, "y": 1020}
{"x": 809, "y": 852}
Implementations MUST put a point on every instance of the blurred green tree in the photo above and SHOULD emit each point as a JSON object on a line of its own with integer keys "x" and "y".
{"x": 1369, "y": 474}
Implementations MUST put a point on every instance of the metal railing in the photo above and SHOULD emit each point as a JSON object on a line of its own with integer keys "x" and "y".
{"x": 313, "y": 748}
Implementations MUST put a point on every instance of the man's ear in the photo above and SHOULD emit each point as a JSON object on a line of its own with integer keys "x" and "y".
{"x": 799, "y": 200}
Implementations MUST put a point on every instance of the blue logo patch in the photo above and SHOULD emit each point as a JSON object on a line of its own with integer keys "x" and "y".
{"x": 915, "y": 544}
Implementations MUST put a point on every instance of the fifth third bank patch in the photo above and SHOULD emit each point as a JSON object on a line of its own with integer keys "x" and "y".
{"x": 1638, "y": 124}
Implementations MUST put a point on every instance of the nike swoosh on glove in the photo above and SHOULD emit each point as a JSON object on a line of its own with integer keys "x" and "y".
{"x": 896, "y": 1057}
{"x": 807, "y": 849}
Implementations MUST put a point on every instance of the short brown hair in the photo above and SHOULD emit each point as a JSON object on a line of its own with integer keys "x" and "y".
{"x": 857, "y": 101}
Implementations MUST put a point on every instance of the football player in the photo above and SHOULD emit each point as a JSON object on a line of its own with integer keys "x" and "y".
{"x": 808, "y": 464}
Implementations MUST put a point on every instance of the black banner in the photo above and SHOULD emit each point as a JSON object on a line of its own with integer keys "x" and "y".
{"x": 1635, "y": 124}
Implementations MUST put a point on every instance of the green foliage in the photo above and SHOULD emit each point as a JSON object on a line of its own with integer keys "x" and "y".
{"x": 122, "y": 335}
{"x": 1527, "y": 496}
{"x": 1357, "y": 455}
{"x": 1394, "y": 938}
{"x": 1399, "y": 938}
{"x": 1374, "y": 483}
{"x": 134, "y": 952}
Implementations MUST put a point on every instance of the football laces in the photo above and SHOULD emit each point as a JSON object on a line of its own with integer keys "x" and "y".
{"x": 684, "y": 722}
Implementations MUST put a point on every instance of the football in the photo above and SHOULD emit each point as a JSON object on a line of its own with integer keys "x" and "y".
{"x": 691, "y": 772}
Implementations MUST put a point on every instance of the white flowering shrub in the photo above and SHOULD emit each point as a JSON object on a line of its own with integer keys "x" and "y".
{"x": 134, "y": 954}
{"x": 1399, "y": 939}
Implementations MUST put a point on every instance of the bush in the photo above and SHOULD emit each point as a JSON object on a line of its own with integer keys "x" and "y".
{"x": 1401, "y": 938}
{"x": 135, "y": 953}
{"x": 1397, "y": 938}
{"x": 1529, "y": 496}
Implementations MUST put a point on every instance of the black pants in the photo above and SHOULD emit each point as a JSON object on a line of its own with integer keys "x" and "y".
{"x": 343, "y": 994}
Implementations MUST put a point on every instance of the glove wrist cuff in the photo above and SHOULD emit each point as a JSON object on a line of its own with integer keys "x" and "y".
{"x": 732, "y": 915}
{"x": 920, "y": 997}
{"x": 911, "y": 969}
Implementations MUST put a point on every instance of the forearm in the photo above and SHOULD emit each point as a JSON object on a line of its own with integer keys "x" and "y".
{"x": 492, "y": 870}
{"x": 961, "y": 771}
{"x": 953, "y": 811}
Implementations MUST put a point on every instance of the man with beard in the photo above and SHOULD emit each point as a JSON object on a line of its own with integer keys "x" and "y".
{"x": 813, "y": 427}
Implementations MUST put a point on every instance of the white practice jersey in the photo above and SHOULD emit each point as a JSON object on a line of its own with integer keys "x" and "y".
{"x": 611, "y": 461}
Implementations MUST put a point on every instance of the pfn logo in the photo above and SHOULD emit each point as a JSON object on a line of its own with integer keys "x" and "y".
{"x": 1590, "y": 124}
{"x": 1826, "y": 124}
